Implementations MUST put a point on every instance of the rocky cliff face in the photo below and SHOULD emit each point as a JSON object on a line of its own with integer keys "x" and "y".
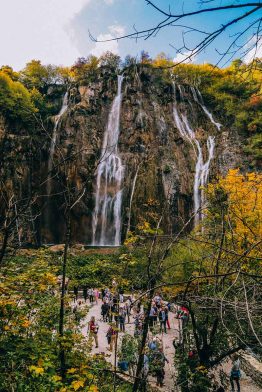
{"x": 159, "y": 163}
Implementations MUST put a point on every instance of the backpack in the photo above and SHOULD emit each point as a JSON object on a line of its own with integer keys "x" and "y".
{"x": 235, "y": 373}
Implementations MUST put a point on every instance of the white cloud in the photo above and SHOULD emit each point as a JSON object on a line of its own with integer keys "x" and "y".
{"x": 253, "y": 50}
{"x": 38, "y": 29}
{"x": 182, "y": 57}
{"x": 109, "y": 2}
{"x": 111, "y": 46}
{"x": 117, "y": 30}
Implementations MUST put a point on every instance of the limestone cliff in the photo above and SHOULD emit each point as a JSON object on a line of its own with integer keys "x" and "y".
{"x": 159, "y": 163}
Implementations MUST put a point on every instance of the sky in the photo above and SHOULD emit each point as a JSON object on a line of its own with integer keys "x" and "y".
{"x": 57, "y": 31}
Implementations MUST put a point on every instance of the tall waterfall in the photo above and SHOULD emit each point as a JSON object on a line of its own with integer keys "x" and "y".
{"x": 187, "y": 132}
{"x": 53, "y": 141}
{"x": 106, "y": 225}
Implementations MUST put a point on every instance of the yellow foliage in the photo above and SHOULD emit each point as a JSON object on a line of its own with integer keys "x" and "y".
{"x": 93, "y": 388}
{"x": 57, "y": 378}
{"x": 244, "y": 205}
{"x": 71, "y": 371}
{"x": 26, "y": 324}
{"x": 77, "y": 384}
{"x": 37, "y": 370}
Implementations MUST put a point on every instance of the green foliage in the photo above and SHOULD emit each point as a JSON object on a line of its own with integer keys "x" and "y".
{"x": 129, "y": 348}
{"x": 95, "y": 270}
{"x": 36, "y": 75}
{"x": 15, "y": 99}
{"x": 29, "y": 339}
{"x": 254, "y": 148}
{"x": 85, "y": 69}
{"x": 110, "y": 60}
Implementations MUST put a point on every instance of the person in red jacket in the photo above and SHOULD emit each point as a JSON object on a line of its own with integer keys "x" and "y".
{"x": 93, "y": 328}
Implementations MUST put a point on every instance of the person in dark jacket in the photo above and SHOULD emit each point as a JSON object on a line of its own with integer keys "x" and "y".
{"x": 76, "y": 293}
{"x": 104, "y": 311}
{"x": 162, "y": 319}
{"x": 85, "y": 293}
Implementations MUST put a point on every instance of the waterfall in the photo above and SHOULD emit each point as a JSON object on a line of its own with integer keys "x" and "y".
{"x": 201, "y": 168}
{"x": 53, "y": 141}
{"x": 198, "y": 99}
{"x": 106, "y": 224}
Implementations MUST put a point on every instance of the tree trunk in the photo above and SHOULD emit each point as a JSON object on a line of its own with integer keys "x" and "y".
{"x": 62, "y": 301}
{"x": 143, "y": 343}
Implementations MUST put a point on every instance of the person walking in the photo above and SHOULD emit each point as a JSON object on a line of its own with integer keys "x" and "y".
{"x": 157, "y": 364}
{"x": 110, "y": 311}
{"x": 235, "y": 374}
{"x": 91, "y": 296}
{"x": 128, "y": 309}
{"x": 85, "y": 295}
{"x": 93, "y": 328}
{"x": 162, "y": 319}
{"x": 122, "y": 319}
{"x": 167, "y": 320}
{"x": 104, "y": 311}
{"x": 96, "y": 295}
{"x": 111, "y": 337}
{"x": 75, "y": 293}
{"x": 152, "y": 315}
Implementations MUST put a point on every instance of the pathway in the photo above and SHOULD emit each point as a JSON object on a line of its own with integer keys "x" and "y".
{"x": 167, "y": 340}
{"x": 247, "y": 385}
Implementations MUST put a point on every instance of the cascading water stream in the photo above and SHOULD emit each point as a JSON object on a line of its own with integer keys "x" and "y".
{"x": 198, "y": 99}
{"x": 106, "y": 224}
{"x": 53, "y": 141}
{"x": 187, "y": 132}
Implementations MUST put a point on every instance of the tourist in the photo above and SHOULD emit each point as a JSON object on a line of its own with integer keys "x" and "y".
{"x": 104, "y": 311}
{"x": 162, "y": 319}
{"x": 155, "y": 314}
{"x": 122, "y": 319}
{"x": 157, "y": 364}
{"x": 235, "y": 374}
{"x": 91, "y": 296}
{"x": 111, "y": 337}
{"x": 152, "y": 316}
{"x": 110, "y": 310}
{"x": 85, "y": 295}
{"x": 128, "y": 308}
{"x": 157, "y": 300}
{"x": 96, "y": 294}
{"x": 121, "y": 298}
{"x": 93, "y": 328}
{"x": 167, "y": 321}
{"x": 115, "y": 311}
{"x": 75, "y": 293}
{"x": 153, "y": 344}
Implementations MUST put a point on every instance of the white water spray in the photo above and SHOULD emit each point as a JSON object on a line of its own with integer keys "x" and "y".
{"x": 106, "y": 224}
{"x": 53, "y": 141}
{"x": 202, "y": 168}
{"x": 198, "y": 99}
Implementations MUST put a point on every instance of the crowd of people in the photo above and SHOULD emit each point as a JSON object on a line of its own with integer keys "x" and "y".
{"x": 117, "y": 310}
